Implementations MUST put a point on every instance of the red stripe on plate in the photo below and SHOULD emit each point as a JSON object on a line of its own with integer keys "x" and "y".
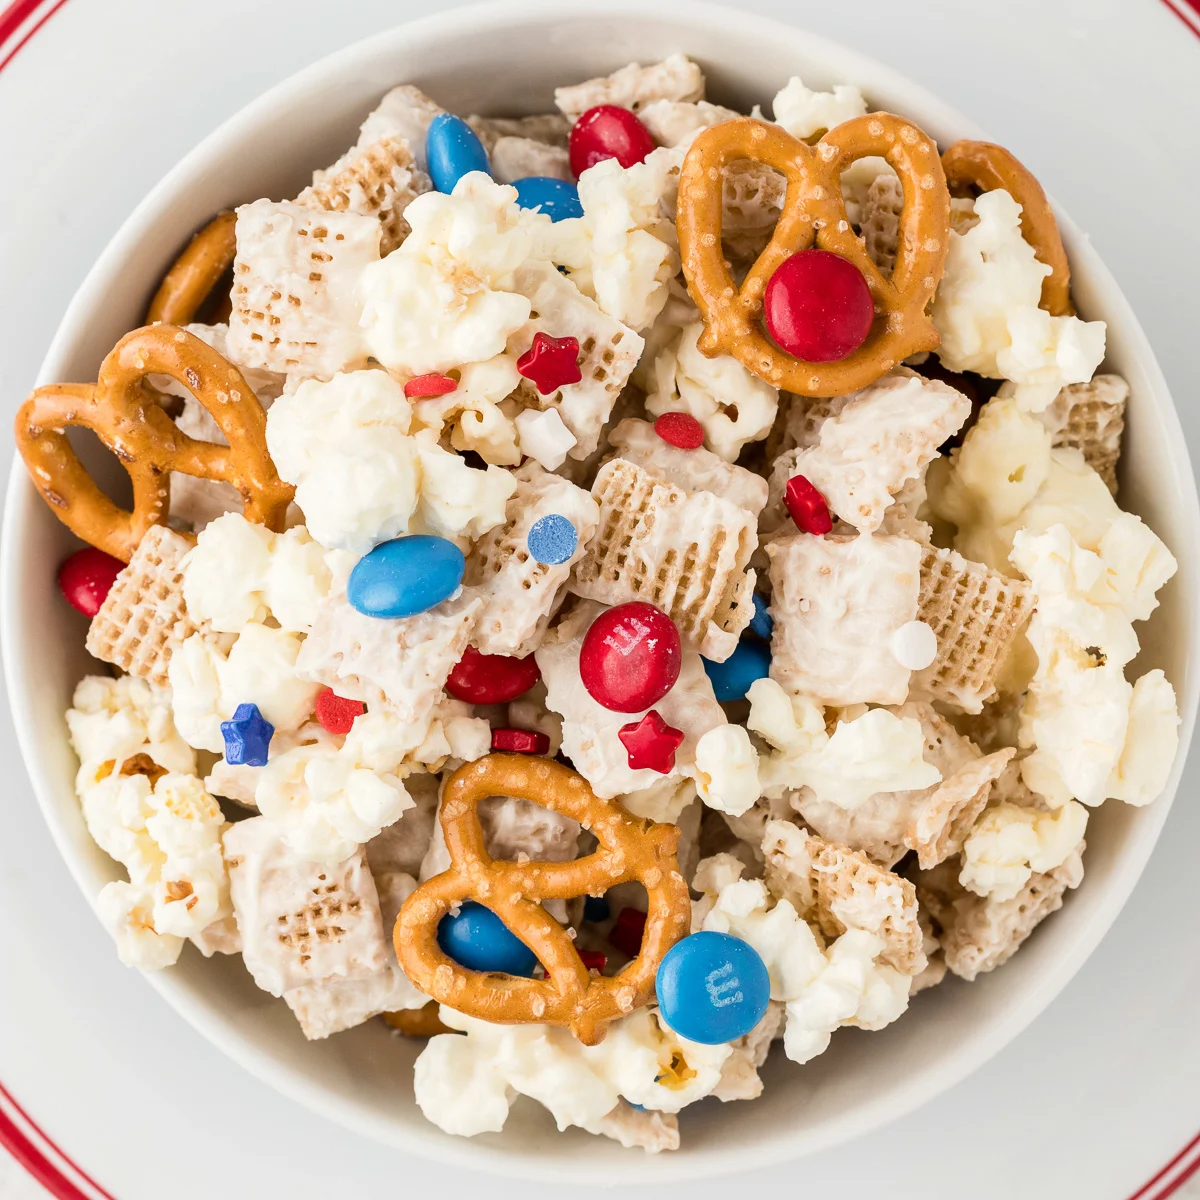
{"x": 1188, "y": 11}
{"x": 11, "y": 20}
{"x": 1146, "y": 1192}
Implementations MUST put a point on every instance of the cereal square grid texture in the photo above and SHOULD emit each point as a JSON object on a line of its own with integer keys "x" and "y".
{"x": 1090, "y": 417}
{"x": 301, "y": 922}
{"x": 881, "y": 220}
{"x": 379, "y": 180}
{"x": 686, "y": 554}
{"x": 976, "y": 614}
{"x": 144, "y": 619}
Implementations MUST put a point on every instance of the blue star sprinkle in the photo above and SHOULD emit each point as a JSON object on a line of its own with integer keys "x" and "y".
{"x": 552, "y": 540}
{"x": 247, "y": 737}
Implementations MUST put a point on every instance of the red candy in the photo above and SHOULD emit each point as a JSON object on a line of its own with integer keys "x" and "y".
{"x": 425, "y": 387}
{"x": 680, "y": 429}
{"x": 627, "y": 930}
{"x": 817, "y": 306}
{"x": 630, "y": 657}
{"x": 86, "y": 578}
{"x": 491, "y": 678}
{"x": 520, "y": 741}
{"x": 336, "y": 713}
{"x": 608, "y": 131}
{"x": 551, "y": 362}
{"x": 651, "y": 743}
{"x": 807, "y": 506}
{"x": 594, "y": 960}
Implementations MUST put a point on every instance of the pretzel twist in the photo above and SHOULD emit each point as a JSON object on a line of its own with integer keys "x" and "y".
{"x": 125, "y": 416}
{"x": 814, "y": 214}
{"x": 195, "y": 273}
{"x": 631, "y": 848}
{"x": 990, "y": 167}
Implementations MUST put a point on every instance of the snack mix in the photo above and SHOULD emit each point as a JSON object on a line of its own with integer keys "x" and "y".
{"x": 609, "y": 590}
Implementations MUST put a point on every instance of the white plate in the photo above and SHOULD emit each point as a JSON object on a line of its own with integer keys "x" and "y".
{"x": 1089, "y": 1102}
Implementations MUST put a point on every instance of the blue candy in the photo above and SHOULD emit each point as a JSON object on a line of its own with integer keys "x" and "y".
{"x": 452, "y": 150}
{"x": 732, "y": 678}
{"x": 557, "y": 198}
{"x": 596, "y": 908}
{"x": 477, "y": 939}
{"x": 247, "y": 737}
{"x": 552, "y": 540}
{"x": 712, "y": 988}
{"x": 405, "y": 576}
{"x": 761, "y": 623}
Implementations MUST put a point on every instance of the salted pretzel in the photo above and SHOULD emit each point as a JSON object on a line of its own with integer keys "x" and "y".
{"x": 195, "y": 273}
{"x": 125, "y": 416}
{"x": 814, "y": 214}
{"x": 990, "y": 167}
{"x": 631, "y": 848}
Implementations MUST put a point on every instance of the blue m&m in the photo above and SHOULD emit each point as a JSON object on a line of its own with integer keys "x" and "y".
{"x": 712, "y": 988}
{"x": 557, "y": 198}
{"x": 732, "y": 678}
{"x": 477, "y": 939}
{"x": 247, "y": 737}
{"x": 405, "y": 576}
{"x": 452, "y": 149}
{"x": 552, "y": 540}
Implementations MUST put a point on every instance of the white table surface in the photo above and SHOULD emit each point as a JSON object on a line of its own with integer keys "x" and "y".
{"x": 1100, "y": 99}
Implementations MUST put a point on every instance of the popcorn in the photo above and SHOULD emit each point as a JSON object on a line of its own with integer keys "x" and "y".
{"x": 986, "y": 311}
{"x": 676, "y": 78}
{"x": 677, "y": 122}
{"x": 709, "y": 388}
{"x": 1009, "y": 844}
{"x": 727, "y": 769}
{"x": 804, "y": 113}
{"x": 473, "y": 411}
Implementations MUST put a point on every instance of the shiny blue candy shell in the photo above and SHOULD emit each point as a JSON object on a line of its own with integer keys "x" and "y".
{"x": 761, "y": 624}
{"x": 247, "y": 737}
{"x": 477, "y": 939}
{"x": 732, "y": 678}
{"x": 712, "y": 988}
{"x": 557, "y": 198}
{"x": 596, "y": 908}
{"x": 552, "y": 540}
{"x": 452, "y": 149}
{"x": 405, "y": 576}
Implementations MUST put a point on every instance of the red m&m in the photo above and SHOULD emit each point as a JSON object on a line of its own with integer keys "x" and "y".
{"x": 86, "y": 578}
{"x": 818, "y": 307}
{"x": 491, "y": 678}
{"x": 630, "y": 657}
{"x": 608, "y": 131}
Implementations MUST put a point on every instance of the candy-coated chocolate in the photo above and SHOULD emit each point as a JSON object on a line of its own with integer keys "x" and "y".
{"x": 761, "y": 624}
{"x": 247, "y": 737}
{"x": 627, "y": 930}
{"x": 596, "y": 908}
{"x": 712, "y": 988}
{"x": 520, "y": 741}
{"x": 477, "y": 939}
{"x": 426, "y": 387}
{"x": 818, "y": 307}
{"x": 651, "y": 743}
{"x": 594, "y": 960}
{"x": 552, "y": 540}
{"x": 630, "y": 657}
{"x": 336, "y": 713}
{"x": 86, "y": 578}
{"x": 551, "y": 362}
{"x": 405, "y": 576}
{"x": 452, "y": 149}
{"x": 481, "y": 678}
{"x": 557, "y": 198}
{"x": 731, "y": 679}
{"x": 806, "y": 506}
{"x": 608, "y": 131}
{"x": 680, "y": 429}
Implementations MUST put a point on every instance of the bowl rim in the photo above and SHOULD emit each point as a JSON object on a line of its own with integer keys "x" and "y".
{"x": 294, "y": 1082}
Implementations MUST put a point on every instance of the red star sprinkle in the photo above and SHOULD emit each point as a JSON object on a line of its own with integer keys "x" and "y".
{"x": 680, "y": 429}
{"x": 551, "y": 362}
{"x": 807, "y": 507}
{"x": 426, "y": 387}
{"x": 520, "y": 741}
{"x": 651, "y": 743}
{"x": 336, "y": 713}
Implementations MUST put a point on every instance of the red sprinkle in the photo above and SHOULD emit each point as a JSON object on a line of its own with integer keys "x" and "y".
{"x": 551, "y": 362}
{"x": 651, "y": 743}
{"x": 630, "y": 657}
{"x": 491, "y": 678}
{"x": 424, "y": 387}
{"x": 86, "y": 578}
{"x": 520, "y": 741}
{"x": 594, "y": 960}
{"x": 807, "y": 506}
{"x": 627, "y": 930}
{"x": 680, "y": 429}
{"x": 818, "y": 307}
{"x": 336, "y": 713}
{"x": 608, "y": 131}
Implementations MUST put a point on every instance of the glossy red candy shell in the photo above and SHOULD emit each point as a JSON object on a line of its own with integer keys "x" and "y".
{"x": 86, "y": 578}
{"x": 817, "y": 306}
{"x": 608, "y": 131}
{"x": 631, "y": 657}
{"x": 491, "y": 678}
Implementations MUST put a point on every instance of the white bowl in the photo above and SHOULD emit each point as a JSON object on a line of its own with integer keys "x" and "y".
{"x": 502, "y": 58}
